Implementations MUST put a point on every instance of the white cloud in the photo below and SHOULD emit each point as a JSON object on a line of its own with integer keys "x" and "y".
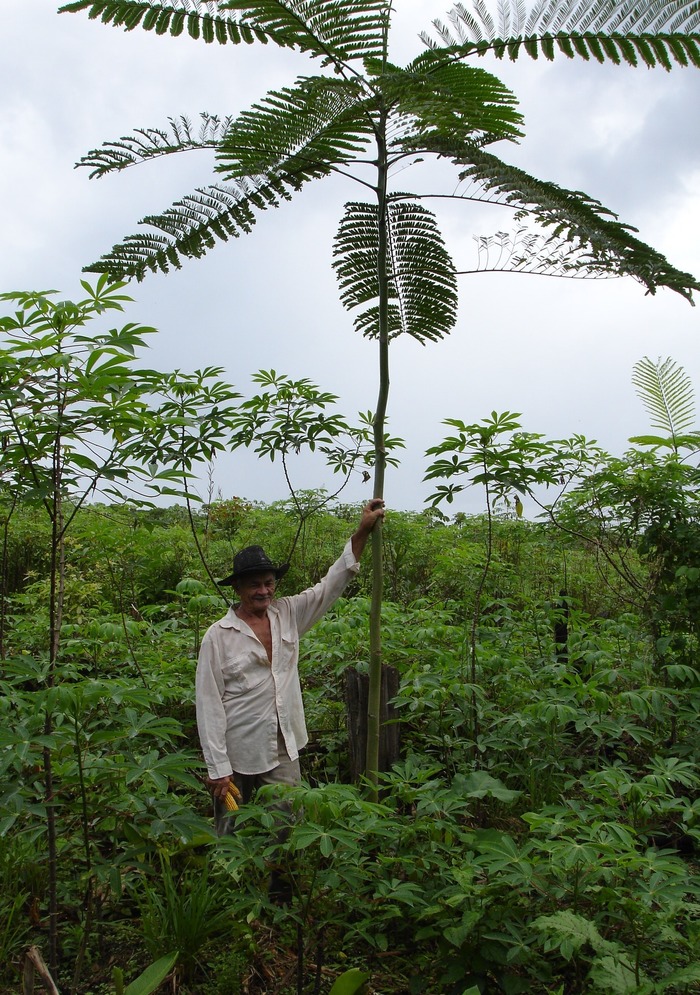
{"x": 559, "y": 352}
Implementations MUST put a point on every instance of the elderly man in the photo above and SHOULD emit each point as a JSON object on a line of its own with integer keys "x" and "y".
{"x": 250, "y": 714}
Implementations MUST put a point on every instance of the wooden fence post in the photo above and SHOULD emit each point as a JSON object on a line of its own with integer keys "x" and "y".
{"x": 356, "y": 695}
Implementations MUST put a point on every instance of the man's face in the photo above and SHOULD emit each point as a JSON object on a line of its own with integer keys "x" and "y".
{"x": 256, "y": 591}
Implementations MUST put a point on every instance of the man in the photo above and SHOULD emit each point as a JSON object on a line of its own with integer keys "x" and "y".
{"x": 250, "y": 714}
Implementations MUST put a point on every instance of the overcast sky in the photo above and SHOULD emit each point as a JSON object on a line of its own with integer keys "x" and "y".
{"x": 560, "y": 352}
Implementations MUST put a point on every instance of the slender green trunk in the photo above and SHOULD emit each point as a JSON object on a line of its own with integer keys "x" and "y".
{"x": 476, "y": 618}
{"x": 375, "y": 641}
{"x": 48, "y": 766}
{"x": 55, "y": 617}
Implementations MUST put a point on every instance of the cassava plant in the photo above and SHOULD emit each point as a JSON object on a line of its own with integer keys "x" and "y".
{"x": 646, "y": 503}
{"x": 70, "y": 405}
{"x": 289, "y": 416}
{"x": 78, "y": 420}
{"x": 363, "y": 118}
{"x": 637, "y": 512}
{"x": 506, "y": 462}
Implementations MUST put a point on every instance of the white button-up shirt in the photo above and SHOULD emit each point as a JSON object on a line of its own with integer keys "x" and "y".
{"x": 242, "y": 698}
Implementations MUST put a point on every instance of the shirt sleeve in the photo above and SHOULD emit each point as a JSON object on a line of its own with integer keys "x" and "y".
{"x": 311, "y": 604}
{"x": 211, "y": 717}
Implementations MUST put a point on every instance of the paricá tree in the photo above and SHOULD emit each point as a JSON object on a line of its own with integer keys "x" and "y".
{"x": 362, "y": 117}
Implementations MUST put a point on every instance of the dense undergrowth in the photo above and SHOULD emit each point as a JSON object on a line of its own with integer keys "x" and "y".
{"x": 539, "y": 833}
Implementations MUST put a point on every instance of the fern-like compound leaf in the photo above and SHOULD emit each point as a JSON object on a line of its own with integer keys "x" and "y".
{"x": 667, "y": 393}
{"x": 526, "y": 250}
{"x": 193, "y": 225}
{"x": 422, "y": 284}
{"x": 302, "y": 130}
{"x": 571, "y": 215}
{"x": 438, "y": 96}
{"x": 329, "y": 29}
{"x": 150, "y": 143}
{"x": 333, "y": 29}
{"x": 661, "y": 33}
{"x": 651, "y": 50}
{"x": 203, "y": 19}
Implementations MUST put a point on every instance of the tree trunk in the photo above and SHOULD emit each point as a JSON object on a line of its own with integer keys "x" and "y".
{"x": 375, "y": 643}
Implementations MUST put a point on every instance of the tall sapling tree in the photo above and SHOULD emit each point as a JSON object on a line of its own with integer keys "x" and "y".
{"x": 362, "y": 117}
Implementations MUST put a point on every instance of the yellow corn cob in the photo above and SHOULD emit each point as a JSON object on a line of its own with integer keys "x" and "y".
{"x": 230, "y": 798}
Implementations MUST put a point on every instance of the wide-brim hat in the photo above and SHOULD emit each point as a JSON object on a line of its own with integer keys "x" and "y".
{"x": 253, "y": 560}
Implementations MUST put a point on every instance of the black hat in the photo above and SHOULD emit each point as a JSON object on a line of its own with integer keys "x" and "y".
{"x": 253, "y": 560}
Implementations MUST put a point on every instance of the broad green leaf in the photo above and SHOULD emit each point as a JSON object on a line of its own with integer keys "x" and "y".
{"x": 480, "y": 784}
{"x": 153, "y": 976}
{"x": 352, "y": 982}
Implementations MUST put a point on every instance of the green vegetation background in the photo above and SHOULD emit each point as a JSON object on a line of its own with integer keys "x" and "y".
{"x": 552, "y": 852}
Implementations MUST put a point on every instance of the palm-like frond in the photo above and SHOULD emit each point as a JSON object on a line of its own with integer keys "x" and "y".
{"x": 150, "y": 143}
{"x": 653, "y": 34}
{"x": 438, "y": 96}
{"x": 667, "y": 393}
{"x": 324, "y": 28}
{"x": 192, "y": 226}
{"x": 526, "y": 251}
{"x": 571, "y": 215}
{"x": 422, "y": 285}
{"x": 300, "y": 130}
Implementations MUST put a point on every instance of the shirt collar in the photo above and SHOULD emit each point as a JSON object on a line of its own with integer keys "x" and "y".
{"x": 232, "y": 621}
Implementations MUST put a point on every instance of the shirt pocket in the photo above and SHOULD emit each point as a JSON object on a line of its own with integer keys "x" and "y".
{"x": 289, "y": 650}
{"x": 244, "y": 671}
